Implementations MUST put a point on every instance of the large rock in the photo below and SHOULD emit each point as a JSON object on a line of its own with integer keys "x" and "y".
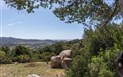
{"x": 55, "y": 62}
{"x": 66, "y": 63}
{"x": 65, "y": 53}
{"x": 63, "y": 60}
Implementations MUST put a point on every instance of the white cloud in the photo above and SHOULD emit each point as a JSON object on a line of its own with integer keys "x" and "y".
{"x": 11, "y": 24}
{"x": 17, "y": 23}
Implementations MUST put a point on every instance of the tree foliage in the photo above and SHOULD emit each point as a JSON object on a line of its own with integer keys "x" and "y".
{"x": 4, "y": 59}
{"x": 23, "y": 58}
{"x": 81, "y": 11}
{"x": 103, "y": 64}
{"x": 21, "y": 50}
{"x": 97, "y": 57}
{"x": 24, "y": 54}
{"x": 102, "y": 37}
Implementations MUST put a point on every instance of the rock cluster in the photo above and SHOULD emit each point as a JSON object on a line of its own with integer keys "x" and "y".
{"x": 62, "y": 60}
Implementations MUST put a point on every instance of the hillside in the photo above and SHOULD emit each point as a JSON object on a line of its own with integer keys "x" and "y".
{"x": 33, "y": 43}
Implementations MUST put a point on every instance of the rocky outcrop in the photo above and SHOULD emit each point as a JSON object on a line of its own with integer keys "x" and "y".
{"x": 62, "y": 60}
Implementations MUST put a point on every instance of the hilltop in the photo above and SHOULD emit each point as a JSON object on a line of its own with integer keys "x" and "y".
{"x": 33, "y": 43}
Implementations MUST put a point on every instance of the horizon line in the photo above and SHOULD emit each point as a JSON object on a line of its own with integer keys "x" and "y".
{"x": 37, "y": 38}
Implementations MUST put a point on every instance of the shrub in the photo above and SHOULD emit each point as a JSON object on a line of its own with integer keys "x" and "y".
{"x": 104, "y": 65}
{"x": 4, "y": 59}
{"x": 23, "y": 58}
{"x": 46, "y": 56}
{"x": 21, "y": 50}
{"x": 35, "y": 57}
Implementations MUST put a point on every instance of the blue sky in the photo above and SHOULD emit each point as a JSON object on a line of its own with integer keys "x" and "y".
{"x": 43, "y": 24}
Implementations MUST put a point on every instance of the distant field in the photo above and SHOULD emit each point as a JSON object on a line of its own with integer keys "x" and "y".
{"x": 25, "y": 69}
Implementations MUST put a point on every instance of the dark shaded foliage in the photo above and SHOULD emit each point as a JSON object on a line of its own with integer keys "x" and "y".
{"x": 97, "y": 57}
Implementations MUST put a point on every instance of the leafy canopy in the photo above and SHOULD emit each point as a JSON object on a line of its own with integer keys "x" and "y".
{"x": 81, "y": 11}
{"x": 96, "y": 58}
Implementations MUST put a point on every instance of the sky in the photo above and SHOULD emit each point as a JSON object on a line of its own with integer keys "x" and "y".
{"x": 42, "y": 24}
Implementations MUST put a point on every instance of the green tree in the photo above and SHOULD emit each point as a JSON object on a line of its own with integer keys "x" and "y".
{"x": 57, "y": 48}
{"x": 76, "y": 48}
{"x": 5, "y": 49}
{"x": 108, "y": 40}
{"x": 21, "y": 54}
{"x": 21, "y": 50}
{"x": 102, "y": 37}
{"x": 96, "y": 11}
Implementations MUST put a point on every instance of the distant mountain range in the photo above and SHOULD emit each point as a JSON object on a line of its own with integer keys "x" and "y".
{"x": 33, "y": 43}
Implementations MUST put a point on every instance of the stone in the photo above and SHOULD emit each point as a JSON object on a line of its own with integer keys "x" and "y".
{"x": 66, "y": 63}
{"x": 33, "y": 75}
{"x": 55, "y": 62}
{"x": 65, "y": 53}
{"x": 63, "y": 60}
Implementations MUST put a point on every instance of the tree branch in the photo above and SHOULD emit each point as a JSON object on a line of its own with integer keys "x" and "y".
{"x": 112, "y": 14}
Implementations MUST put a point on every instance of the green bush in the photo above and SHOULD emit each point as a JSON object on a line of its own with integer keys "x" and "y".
{"x": 104, "y": 65}
{"x": 35, "y": 57}
{"x": 21, "y": 50}
{"x": 46, "y": 56}
{"x": 4, "y": 59}
{"x": 78, "y": 67}
{"x": 23, "y": 58}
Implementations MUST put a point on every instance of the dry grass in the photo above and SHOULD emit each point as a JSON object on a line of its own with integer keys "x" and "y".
{"x": 25, "y": 69}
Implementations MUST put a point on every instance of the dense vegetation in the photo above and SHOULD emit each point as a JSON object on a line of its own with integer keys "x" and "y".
{"x": 97, "y": 57}
{"x": 25, "y": 54}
